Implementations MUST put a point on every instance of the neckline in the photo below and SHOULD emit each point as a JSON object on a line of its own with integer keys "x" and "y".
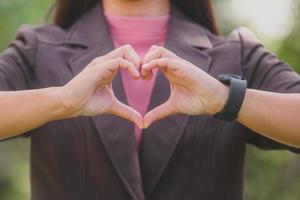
{"x": 123, "y": 17}
{"x": 132, "y": 26}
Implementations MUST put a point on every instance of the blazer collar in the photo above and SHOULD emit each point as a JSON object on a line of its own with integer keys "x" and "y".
{"x": 139, "y": 172}
{"x": 93, "y": 27}
{"x": 90, "y": 29}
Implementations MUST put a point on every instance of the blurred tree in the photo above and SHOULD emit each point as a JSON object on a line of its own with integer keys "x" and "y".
{"x": 290, "y": 47}
{"x": 14, "y": 13}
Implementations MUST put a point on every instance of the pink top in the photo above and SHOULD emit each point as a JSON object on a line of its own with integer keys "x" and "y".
{"x": 141, "y": 33}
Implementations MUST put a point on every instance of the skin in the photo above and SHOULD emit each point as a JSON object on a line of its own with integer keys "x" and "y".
{"x": 88, "y": 94}
{"x": 136, "y": 8}
{"x": 193, "y": 91}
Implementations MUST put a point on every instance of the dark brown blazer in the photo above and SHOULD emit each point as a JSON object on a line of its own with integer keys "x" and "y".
{"x": 181, "y": 157}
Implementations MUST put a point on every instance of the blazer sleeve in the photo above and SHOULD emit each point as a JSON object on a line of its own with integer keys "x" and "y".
{"x": 16, "y": 62}
{"x": 264, "y": 71}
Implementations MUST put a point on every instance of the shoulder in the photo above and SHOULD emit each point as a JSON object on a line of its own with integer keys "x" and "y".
{"x": 29, "y": 39}
{"x": 239, "y": 52}
{"x": 47, "y": 34}
{"x": 243, "y": 34}
{"x": 241, "y": 43}
{"x": 241, "y": 37}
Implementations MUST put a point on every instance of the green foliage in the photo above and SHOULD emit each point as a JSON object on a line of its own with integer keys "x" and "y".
{"x": 269, "y": 174}
{"x": 14, "y": 169}
{"x": 272, "y": 175}
{"x": 290, "y": 48}
{"x": 14, "y": 13}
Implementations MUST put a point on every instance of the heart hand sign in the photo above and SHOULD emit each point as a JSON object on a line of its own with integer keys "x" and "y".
{"x": 193, "y": 91}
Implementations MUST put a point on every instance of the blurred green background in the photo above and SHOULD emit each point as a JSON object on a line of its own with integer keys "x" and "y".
{"x": 269, "y": 174}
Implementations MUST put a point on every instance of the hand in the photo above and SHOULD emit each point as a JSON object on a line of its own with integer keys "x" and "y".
{"x": 90, "y": 92}
{"x": 193, "y": 91}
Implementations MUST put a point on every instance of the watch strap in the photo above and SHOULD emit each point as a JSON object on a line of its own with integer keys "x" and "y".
{"x": 237, "y": 90}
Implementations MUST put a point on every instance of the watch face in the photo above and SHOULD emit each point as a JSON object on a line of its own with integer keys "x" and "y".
{"x": 225, "y": 78}
{"x": 236, "y": 76}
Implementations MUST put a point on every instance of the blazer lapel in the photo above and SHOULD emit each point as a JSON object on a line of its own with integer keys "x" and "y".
{"x": 186, "y": 39}
{"x": 116, "y": 134}
{"x": 159, "y": 141}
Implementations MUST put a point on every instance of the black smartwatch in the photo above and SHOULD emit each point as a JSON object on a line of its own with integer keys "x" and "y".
{"x": 237, "y": 90}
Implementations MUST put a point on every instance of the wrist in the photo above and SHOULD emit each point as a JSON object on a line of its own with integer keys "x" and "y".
{"x": 216, "y": 101}
{"x": 64, "y": 107}
{"x": 222, "y": 97}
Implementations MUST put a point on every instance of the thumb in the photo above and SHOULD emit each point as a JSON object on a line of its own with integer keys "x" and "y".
{"x": 164, "y": 110}
{"x": 126, "y": 112}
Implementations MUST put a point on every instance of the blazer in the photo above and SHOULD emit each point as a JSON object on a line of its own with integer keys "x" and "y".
{"x": 180, "y": 158}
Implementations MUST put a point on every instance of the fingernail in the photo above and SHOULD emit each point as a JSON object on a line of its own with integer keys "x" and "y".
{"x": 139, "y": 65}
{"x": 140, "y": 123}
{"x": 146, "y": 126}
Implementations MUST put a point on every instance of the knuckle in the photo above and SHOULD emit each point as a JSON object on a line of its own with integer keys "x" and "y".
{"x": 152, "y": 62}
{"x": 167, "y": 61}
{"x": 120, "y": 50}
{"x": 172, "y": 61}
{"x": 119, "y": 60}
{"x": 126, "y": 65}
{"x": 96, "y": 60}
{"x": 123, "y": 49}
{"x": 154, "y": 47}
{"x": 161, "y": 50}
{"x": 129, "y": 47}
{"x": 126, "y": 47}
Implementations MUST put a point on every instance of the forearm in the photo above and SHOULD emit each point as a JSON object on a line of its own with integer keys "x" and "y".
{"x": 25, "y": 110}
{"x": 273, "y": 115}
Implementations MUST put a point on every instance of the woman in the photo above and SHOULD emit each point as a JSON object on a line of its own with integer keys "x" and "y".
{"x": 59, "y": 83}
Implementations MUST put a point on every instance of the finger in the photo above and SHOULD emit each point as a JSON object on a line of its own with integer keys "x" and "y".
{"x": 147, "y": 75}
{"x": 153, "y": 47}
{"x": 117, "y": 63}
{"x": 164, "y": 110}
{"x": 126, "y": 52}
{"x": 156, "y": 52}
{"x": 121, "y": 110}
{"x": 162, "y": 63}
{"x": 131, "y": 55}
